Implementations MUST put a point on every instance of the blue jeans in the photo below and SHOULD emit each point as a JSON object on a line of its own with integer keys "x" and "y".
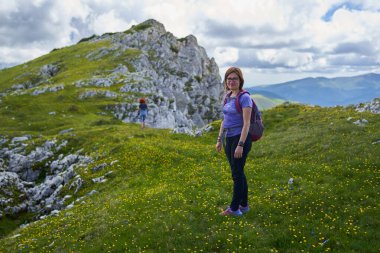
{"x": 240, "y": 192}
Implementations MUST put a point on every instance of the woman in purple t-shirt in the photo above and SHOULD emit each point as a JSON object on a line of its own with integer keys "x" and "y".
{"x": 237, "y": 142}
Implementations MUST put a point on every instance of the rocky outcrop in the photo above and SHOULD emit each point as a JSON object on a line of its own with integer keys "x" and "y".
{"x": 49, "y": 70}
{"x": 31, "y": 181}
{"x": 372, "y": 106}
{"x": 181, "y": 84}
{"x": 36, "y": 79}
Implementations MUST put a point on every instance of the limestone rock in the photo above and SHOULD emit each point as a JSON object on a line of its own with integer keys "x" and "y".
{"x": 20, "y": 186}
{"x": 49, "y": 70}
{"x": 181, "y": 84}
{"x": 372, "y": 106}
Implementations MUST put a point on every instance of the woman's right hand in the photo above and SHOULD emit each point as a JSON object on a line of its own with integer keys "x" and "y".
{"x": 218, "y": 146}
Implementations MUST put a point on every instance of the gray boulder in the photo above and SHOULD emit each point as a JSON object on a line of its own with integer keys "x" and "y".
{"x": 49, "y": 70}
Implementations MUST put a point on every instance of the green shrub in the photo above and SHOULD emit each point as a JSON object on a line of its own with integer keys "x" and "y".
{"x": 87, "y": 38}
{"x": 190, "y": 109}
{"x": 188, "y": 86}
{"x": 140, "y": 27}
{"x": 174, "y": 49}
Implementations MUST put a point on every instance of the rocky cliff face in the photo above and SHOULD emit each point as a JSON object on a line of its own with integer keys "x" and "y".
{"x": 181, "y": 84}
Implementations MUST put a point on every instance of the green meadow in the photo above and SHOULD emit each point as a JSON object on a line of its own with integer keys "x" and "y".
{"x": 166, "y": 190}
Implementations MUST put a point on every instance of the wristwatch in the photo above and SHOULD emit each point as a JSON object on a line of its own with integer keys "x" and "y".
{"x": 241, "y": 144}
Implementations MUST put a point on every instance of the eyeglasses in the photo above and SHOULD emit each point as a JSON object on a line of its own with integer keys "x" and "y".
{"x": 233, "y": 79}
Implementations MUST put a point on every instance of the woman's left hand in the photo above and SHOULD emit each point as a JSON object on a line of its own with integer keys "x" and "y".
{"x": 238, "y": 152}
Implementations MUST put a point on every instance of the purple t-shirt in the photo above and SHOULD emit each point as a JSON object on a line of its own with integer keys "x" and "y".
{"x": 233, "y": 120}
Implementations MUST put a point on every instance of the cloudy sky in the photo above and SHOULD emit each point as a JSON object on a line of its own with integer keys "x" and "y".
{"x": 271, "y": 40}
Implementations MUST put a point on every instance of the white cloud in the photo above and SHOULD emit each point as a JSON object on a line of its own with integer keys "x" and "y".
{"x": 178, "y": 17}
{"x": 272, "y": 38}
{"x": 284, "y": 57}
{"x": 38, "y": 3}
{"x": 226, "y": 55}
{"x": 110, "y": 22}
{"x": 19, "y": 55}
{"x": 8, "y": 6}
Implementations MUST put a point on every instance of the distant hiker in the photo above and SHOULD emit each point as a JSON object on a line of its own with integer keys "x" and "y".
{"x": 143, "y": 111}
{"x": 235, "y": 137}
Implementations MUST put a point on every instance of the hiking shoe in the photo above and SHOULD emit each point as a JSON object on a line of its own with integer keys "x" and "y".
{"x": 244, "y": 209}
{"x": 229, "y": 212}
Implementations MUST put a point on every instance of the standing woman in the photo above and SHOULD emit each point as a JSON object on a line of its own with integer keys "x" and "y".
{"x": 236, "y": 141}
{"x": 143, "y": 111}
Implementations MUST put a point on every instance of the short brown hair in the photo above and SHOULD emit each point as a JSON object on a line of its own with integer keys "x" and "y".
{"x": 238, "y": 72}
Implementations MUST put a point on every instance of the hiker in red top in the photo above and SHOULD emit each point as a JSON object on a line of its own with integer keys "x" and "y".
{"x": 142, "y": 112}
{"x": 236, "y": 140}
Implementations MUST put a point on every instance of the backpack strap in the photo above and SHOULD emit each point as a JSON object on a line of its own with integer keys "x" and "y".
{"x": 226, "y": 96}
{"x": 237, "y": 101}
{"x": 255, "y": 111}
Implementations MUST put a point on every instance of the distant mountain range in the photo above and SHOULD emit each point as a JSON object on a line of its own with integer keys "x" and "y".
{"x": 324, "y": 91}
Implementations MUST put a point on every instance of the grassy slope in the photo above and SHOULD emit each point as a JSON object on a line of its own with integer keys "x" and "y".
{"x": 19, "y": 110}
{"x": 166, "y": 190}
{"x": 266, "y": 103}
